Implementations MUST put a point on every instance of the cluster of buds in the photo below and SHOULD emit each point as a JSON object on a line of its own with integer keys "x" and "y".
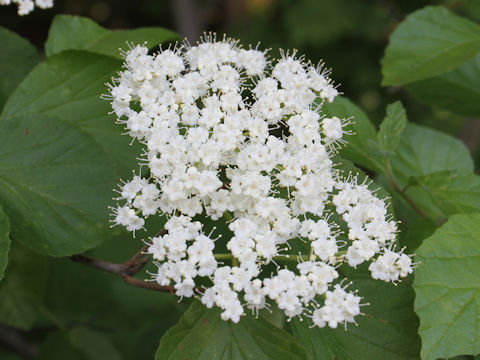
{"x": 237, "y": 138}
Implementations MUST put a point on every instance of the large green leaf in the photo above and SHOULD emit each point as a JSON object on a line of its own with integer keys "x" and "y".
{"x": 96, "y": 293}
{"x": 202, "y": 334}
{"x": 388, "y": 330}
{"x": 96, "y": 298}
{"x": 75, "y": 32}
{"x": 447, "y": 288}
{"x": 78, "y": 343}
{"x": 69, "y": 86}
{"x": 423, "y": 151}
{"x": 457, "y": 90}
{"x": 429, "y": 42}
{"x": 4, "y": 241}
{"x": 454, "y": 192}
{"x": 392, "y": 127}
{"x": 17, "y": 58}
{"x": 413, "y": 232}
{"x": 362, "y": 147}
{"x": 21, "y": 292}
{"x": 56, "y": 183}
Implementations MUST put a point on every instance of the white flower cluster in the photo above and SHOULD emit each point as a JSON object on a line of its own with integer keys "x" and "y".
{"x": 235, "y": 137}
{"x": 26, "y": 6}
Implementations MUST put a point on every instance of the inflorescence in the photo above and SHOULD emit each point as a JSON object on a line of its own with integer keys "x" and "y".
{"x": 27, "y": 6}
{"x": 238, "y": 138}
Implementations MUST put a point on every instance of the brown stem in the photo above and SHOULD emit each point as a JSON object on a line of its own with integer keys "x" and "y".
{"x": 139, "y": 260}
{"x": 14, "y": 340}
{"x": 127, "y": 269}
{"x": 225, "y": 186}
{"x": 469, "y": 133}
{"x": 121, "y": 270}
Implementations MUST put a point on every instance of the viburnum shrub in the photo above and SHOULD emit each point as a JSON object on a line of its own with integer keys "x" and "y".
{"x": 232, "y": 133}
{"x": 250, "y": 210}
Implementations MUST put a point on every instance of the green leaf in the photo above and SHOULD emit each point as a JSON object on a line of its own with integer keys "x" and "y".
{"x": 55, "y": 184}
{"x": 429, "y": 42}
{"x": 93, "y": 343}
{"x": 79, "y": 343}
{"x": 454, "y": 192}
{"x": 21, "y": 292}
{"x": 4, "y": 241}
{"x": 423, "y": 151}
{"x": 392, "y": 127}
{"x": 69, "y": 86}
{"x": 202, "y": 334}
{"x": 447, "y": 289}
{"x": 388, "y": 330}
{"x": 95, "y": 292}
{"x": 75, "y": 32}
{"x": 17, "y": 58}
{"x": 457, "y": 90}
{"x": 97, "y": 298}
{"x": 362, "y": 147}
{"x": 415, "y": 231}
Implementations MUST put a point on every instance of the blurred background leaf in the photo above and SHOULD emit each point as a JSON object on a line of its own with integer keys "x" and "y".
{"x": 75, "y": 32}
{"x": 56, "y": 183}
{"x": 4, "y": 241}
{"x": 22, "y": 290}
{"x": 17, "y": 58}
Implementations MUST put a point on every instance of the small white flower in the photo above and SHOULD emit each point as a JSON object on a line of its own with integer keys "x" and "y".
{"x": 27, "y": 6}
{"x": 185, "y": 288}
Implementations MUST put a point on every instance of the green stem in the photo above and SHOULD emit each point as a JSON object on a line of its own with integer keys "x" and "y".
{"x": 284, "y": 258}
{"x": 288, "y": 257}
{"x": 223, "y": 256}
{"x": 340, "y": 253}
{"x": 394, "y": 185}
{"x": 227, "y": 215}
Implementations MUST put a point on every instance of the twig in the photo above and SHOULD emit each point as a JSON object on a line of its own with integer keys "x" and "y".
{"x": 139, "y": 260}
{"x": 469, "y": 134}
{"x": 127, "y": 269}
{"x": 121, "y": 270}
{"x": 136, "y": 262}
{"x": 14, "y": 340}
